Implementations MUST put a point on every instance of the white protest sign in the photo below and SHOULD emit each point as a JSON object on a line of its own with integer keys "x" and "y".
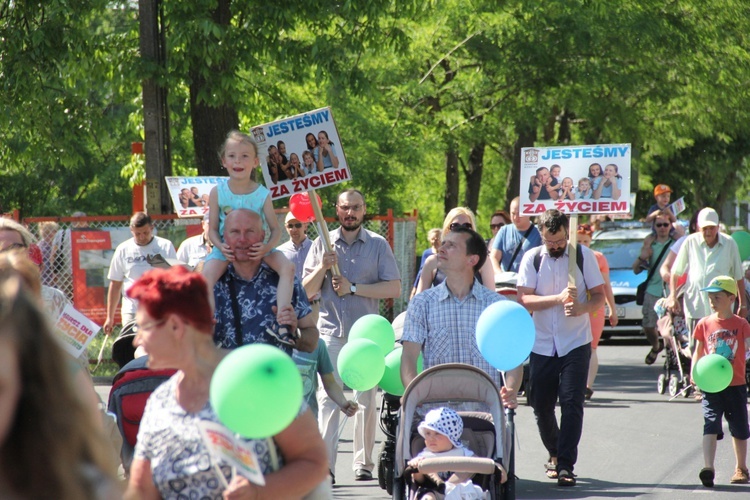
{"x": 301, "y": 153}
{"x": 190, "y": 194}
{"x": 75, "y": 330}
{"x": 678, "y": 206}
{"x": 224, "y": 447}
{"x": 576, "y": 179}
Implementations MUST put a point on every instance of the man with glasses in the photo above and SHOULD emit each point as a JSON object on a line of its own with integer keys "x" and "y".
{"x": 653, "y": 254}
{"x": 368, "y": 273}
{"x": 513, "y": 241}
{"x": 298, "y": 246}
{"x": 559, "y": 360}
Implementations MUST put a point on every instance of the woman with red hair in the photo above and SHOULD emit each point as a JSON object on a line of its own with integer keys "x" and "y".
{"x": 175, "y": 327}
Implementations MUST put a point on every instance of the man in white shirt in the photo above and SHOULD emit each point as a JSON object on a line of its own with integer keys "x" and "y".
{"x": 193, "y": 250}
{"x": 129, "y": 262}
{"x": 559, "y": 360}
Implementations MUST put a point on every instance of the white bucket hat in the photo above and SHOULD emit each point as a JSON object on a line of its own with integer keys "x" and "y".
{"x": 444, "y": 421}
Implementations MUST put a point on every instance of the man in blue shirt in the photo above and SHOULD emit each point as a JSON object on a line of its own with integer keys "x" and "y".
{"x": 513, "y": 241}
{"x": 254, "y": 284}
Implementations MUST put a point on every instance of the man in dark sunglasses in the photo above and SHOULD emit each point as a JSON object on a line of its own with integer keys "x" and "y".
{"x": 299, "y": 244}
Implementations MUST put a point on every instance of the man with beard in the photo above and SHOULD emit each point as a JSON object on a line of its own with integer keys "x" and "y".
{"x": 368, "y": 273}
{"x": 559, "y": 361}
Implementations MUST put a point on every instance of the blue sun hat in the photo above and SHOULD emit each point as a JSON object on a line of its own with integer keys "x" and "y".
{"x": 444, "y": 421}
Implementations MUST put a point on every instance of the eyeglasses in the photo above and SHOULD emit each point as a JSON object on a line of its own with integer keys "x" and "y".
{"x": 496, "y": 226}
{"x": 150, "y": 326}
{"x": 456, "y": 225}
{"x": 294, "y": 225}
{"x": 347, "y": 208}
{"x": 556, "y": 243}
{"x": 662, "y": 224}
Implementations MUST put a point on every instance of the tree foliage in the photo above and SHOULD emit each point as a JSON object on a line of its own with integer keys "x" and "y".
{"x": 433, "y": 99}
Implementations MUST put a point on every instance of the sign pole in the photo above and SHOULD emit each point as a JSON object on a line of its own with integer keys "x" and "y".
{"x": 323, "y": 227}
{"x": 572, "y": 248}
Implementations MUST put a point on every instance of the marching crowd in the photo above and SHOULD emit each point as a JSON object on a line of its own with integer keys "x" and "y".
{"x": 303, "y": 297}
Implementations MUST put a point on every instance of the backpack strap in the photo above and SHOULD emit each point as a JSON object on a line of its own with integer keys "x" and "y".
{"x": 579, "y": 262}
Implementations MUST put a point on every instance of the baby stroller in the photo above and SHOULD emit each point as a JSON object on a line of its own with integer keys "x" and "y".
{"x": 473, "y": 394}
{"x": 673, "y": 329}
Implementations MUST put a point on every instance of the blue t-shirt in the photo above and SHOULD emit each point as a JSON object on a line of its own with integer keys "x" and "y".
{"x": 425, "y": 254}
{"x": 607, "y": 190}
{"x": 309, "y": 365}
{"x": 507, "y": 240}
{"x": 327, "y": 162}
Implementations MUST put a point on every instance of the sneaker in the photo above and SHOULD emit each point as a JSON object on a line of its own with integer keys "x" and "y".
{"x": 706, "y": 476}
{"x": 740, "y": 477}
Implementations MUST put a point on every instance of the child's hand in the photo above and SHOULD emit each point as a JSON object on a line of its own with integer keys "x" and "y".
{"x": 258, "y": 250}
{"x": 415, "y": 462}
{"x": 350, "y": 409}
{"x": 226, "y": 250}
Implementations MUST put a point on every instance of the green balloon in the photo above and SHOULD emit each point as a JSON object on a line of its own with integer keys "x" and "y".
{"x": 256, "y": 391}
{"x": 361, "y": 364}
{"x": 742, "y": 238}
{"x": 391, "y": 381}
{"x": 375, "y": 328}
{"x": 713, "y": 373}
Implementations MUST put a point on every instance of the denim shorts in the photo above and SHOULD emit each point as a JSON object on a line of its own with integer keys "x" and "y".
{"x": 732, "y": 404}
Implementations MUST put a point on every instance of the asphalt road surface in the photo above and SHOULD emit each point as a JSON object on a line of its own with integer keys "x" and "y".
{"x": 636, "y": 442}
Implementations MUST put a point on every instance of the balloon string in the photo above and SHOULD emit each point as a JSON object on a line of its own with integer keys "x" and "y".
{"x": 344, "y": 420}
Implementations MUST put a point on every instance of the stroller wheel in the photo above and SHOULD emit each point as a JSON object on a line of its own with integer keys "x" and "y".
{"x": 674, "y": 385}
{"x": 661, "y": 384}
{"x": 688, "y": 391}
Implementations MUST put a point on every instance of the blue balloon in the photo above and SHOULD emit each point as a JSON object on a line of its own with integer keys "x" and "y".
{"x": 505, "y": 334}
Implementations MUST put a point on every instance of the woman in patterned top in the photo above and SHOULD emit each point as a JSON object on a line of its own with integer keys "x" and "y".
{"x": 175, "y": 328}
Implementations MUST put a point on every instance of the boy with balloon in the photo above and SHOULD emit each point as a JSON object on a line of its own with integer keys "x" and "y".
{"x": 721, "y": 343}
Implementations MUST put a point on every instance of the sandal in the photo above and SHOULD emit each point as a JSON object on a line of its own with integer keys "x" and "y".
{"x": 566, "y": 478}
{"x": 740, "y": 477}
{"x": 652, "y": 355}
{"x": 551, "y": 470}
{"x": 706, "y": 476}
{"x": 588, "y": 394}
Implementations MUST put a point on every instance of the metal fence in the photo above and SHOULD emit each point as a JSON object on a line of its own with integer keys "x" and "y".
{"x": 54, "y": 239}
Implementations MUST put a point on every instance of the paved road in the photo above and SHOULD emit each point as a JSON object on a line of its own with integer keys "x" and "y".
{"x": 636, "y": 443}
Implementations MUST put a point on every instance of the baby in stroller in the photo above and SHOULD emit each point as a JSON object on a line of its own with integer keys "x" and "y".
{"x": 673, "y": 329}
{"x": 475, "y": 440}
{"x": 441, "y": 430}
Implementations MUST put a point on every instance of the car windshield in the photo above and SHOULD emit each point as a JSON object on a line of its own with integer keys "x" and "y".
{"x": 620, "y": 254}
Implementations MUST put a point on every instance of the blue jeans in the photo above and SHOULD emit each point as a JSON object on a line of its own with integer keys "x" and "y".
{"x": 565, "y": 377}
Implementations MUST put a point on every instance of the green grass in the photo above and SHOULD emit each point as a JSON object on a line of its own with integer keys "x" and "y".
{"x": 108, "y": 368}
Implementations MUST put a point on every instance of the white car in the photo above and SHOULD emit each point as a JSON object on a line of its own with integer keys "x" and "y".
{"x": 621, "y": 246}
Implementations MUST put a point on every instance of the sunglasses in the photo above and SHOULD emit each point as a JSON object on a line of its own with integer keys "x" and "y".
{"x": 662, "y": 224}
{"x": 456, "y": 225}
{"x": 496, "y": 226}
{"x": 294, "y": 225}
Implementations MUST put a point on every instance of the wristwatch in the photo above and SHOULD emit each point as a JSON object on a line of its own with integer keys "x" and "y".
{"x": 352, "y": 289}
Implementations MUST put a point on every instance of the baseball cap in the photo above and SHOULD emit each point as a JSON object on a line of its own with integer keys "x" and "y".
{"x": 707, "y": 217}
{"x": 290, "y": 216}
{"x": 443, "y": 421}
{"x": 722, "y": 284}
{"x": 661, "y": 189}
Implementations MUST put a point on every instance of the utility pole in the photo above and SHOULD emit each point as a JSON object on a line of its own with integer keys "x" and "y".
{"x": 155, "y": 113}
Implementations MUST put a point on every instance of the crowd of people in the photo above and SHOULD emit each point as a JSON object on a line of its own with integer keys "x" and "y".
{"x": 303, "y": 298}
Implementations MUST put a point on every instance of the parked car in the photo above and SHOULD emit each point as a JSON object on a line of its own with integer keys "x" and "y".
{"x": 621, "y": 245}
